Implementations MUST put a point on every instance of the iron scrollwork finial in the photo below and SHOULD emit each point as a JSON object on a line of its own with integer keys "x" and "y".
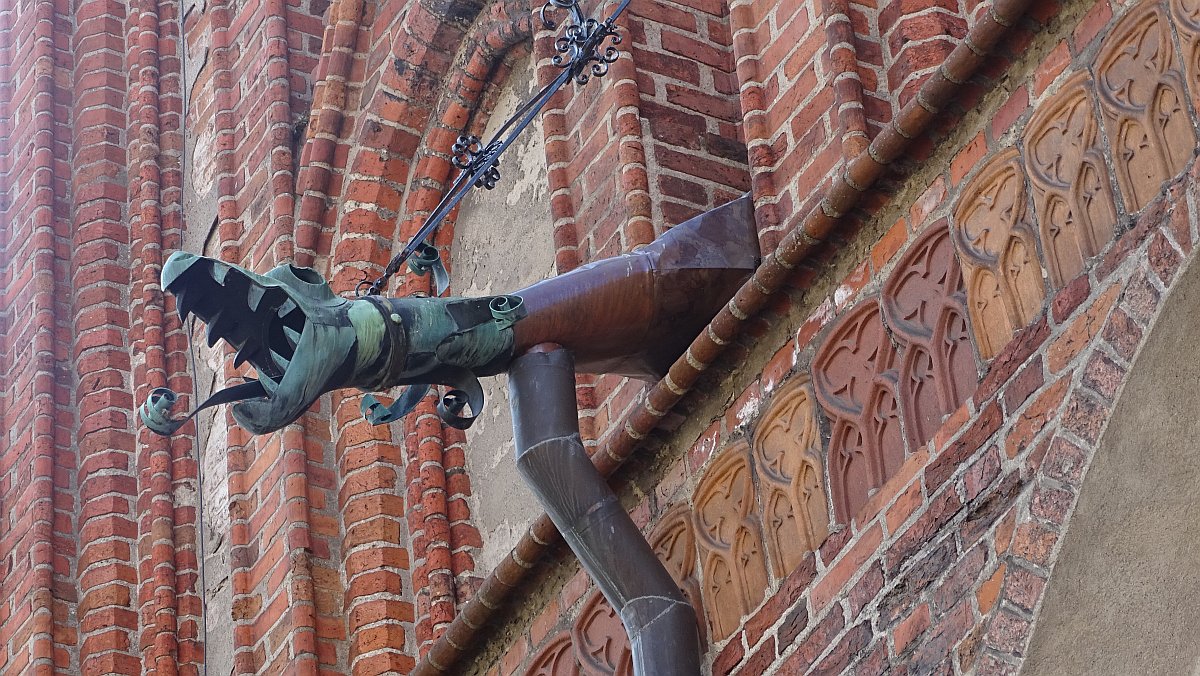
{"x": 585, "y": 49}
{"x": 581, "y": 48}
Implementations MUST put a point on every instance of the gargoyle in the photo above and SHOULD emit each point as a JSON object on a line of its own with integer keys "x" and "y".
{"x": 633, "y": 314}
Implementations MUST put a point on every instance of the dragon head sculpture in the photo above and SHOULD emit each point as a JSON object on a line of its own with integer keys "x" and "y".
{"x": 303, "y": 341}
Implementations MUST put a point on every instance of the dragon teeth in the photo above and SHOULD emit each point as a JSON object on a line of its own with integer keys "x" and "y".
{"x": 212, "y": 334}
{"x": 292, "y": 336}
{"x": 288, "y": 306}
{"x": 280, "y": 360}
{"x": 219, "y": 272}
{"x": 254, "y": 296}
{"x": 243, "y": 355}
{"x": 267, "y": 382}
{"x": 183, "y": 305}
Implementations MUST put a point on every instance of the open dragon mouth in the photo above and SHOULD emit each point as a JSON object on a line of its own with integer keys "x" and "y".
{"x": 287, "y": 324}
{"x": 261, "y": 321}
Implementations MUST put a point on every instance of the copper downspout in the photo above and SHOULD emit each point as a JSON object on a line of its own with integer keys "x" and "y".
{"x": 858, "y": 176}
{"x": 660, "y": 622}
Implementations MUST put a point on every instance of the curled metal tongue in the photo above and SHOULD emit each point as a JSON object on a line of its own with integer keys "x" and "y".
{"x": 155, "y": 412}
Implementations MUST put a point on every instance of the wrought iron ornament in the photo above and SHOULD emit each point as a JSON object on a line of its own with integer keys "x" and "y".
{"x": 585, "y": 49}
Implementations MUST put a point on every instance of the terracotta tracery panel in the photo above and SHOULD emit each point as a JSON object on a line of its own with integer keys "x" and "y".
{"x": 556, "y": 658}
{"x": 1073, "y": 199}
{"x": 730, "y": 537}
{"x": 787, "y": 454}
{"x": 854, "y": 379}
{"x": 1186, "y": 14}
{"x": 601, "y": 644}
{"x": 925, "y": 305}
{"x": 674, "y": 541}
{"x": 998, "y": 250}
{"x": 1142, "y": 98}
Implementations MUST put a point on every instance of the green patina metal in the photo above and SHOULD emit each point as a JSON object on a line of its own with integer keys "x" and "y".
{"x": 304, "y": 341}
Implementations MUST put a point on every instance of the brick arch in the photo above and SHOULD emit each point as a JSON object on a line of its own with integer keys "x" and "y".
{"x": 1134, "y": 509}
{"x": 421, "y": 102}
{"x": 401, "y": 498}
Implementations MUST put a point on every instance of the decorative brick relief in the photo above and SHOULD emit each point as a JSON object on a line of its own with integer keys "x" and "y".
{"x": 556, "y": 658}
{"x": 1186, "y": 15}
{"x": 674, "y": 541}
{"x": 925, "y": 305}
{"x": 854, "y": 379}
{"x": 1072, "y": 196}
{"x": 998, "y": 250}
{"x": 1142, "y": 98}
{"x": 787, "y": 454}
{"x": 601, "y": 644}
{"x": 733, "y": 563}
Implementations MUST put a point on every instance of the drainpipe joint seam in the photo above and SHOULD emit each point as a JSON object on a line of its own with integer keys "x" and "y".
{"x": 828, "y": 208}
{"x": 873, "y": 153}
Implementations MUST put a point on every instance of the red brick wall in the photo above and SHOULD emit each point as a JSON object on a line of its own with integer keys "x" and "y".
{"x": 322, "y": 136}
{"x": 940, "y": 560}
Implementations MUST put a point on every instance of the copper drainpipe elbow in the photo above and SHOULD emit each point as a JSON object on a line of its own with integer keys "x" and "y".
{"x": 550, "y": 457}
{"x": 912, "y": 121}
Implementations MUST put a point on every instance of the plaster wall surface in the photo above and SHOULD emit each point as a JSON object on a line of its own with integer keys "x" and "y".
{"x": 503, "y": 242}
{"x": 1125, "y": 595}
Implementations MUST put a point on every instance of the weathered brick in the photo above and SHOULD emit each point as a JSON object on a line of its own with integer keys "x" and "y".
{"x": 1033, "y": 543}
{"x": 1008, "y": 633}
{"x": 909, "y": 628}
{"x": 961, "y": 578}
{"x": 1085, "y": 417}
{"x": 941, "y": 509}
{"x": 943, "y": 636}
{"x": 947, "y": 463}
{"x": 1023, "y": 588}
